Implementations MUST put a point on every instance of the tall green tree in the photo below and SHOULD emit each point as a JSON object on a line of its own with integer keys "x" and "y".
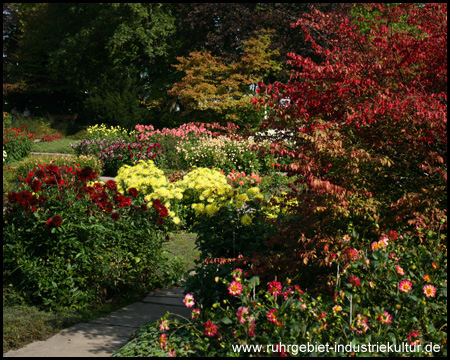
{"x": 75, "y": 49}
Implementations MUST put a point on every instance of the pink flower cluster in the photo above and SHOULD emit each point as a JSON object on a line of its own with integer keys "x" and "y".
{"x": 382, "y": 243}
{"x": 241, "y": 178}
{"x": 183, "y": 132}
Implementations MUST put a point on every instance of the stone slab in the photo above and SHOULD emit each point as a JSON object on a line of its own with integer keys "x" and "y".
{"x": 178, "y": 302}
{"x": 139, "y": 313}
{"x": 174, "y": 292}
{"x": 106, "y": 178}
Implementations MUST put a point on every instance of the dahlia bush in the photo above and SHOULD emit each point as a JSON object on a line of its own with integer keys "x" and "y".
{"x": 70, "y": 241}
{"x": 202, "y": 191}
{"x": 17, "y": 143}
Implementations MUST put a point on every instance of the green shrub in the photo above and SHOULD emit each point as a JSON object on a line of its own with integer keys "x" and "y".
{"x": 71, "y": 244}
{"x": 17, "y": 143}
{"x": 7, "y": 120}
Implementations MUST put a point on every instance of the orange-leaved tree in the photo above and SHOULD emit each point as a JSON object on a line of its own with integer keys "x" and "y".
{"x": 210, "y": 83}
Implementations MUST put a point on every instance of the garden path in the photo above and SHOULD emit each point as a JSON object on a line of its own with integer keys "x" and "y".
{"x": 103, "y": 336}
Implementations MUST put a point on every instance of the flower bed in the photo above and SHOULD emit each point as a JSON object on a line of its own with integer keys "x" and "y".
{"x": 51, "y": 137}
{"x": 71, "y": 242}
{"x": 377, "y": 299}
{"x": 181, "y": 148}
{"x": 114, "y": 153}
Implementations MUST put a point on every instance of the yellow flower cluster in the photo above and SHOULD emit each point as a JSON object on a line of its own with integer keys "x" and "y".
{"x": 144, "y": 176}
{"x": 209, "y": 184}
{"x": 205, "y": 190}
{"x": 233, "y": 198}
{"x": 149, "y": 180}
{"x": 102, "y": 131}
{"x": 200, "y": 183}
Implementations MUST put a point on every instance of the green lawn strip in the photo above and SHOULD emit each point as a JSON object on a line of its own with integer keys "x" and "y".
{"x": 61, "y": 146}
{"x": 24, "y": 324}
{"x": 181, "y": 246}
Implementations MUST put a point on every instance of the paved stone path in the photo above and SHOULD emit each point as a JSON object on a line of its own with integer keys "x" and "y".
{"x": 103, "y": 336}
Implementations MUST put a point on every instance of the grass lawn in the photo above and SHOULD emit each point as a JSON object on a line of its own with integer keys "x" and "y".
{"x": 181, "y": 246}
{"x": 61, "y": 146}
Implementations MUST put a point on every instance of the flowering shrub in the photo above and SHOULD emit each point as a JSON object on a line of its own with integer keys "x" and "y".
{"x": 231, "y": 227}
{"x": 188, "y": 131}
{"x": 28, "y": 164}
{"x": 17, "y": 142}
{"x": 226, "y": 154}
{"x": 51, "y": 137}
{"x": 198, "y": 185}
{"x": 152, "y": 183}
{"x": 364, "y": 306}
{"x": 241, "y": 180}
{"x": 114, "y": 153}
{"x": 69, "y": 241}
{"x": 101, "y": 131}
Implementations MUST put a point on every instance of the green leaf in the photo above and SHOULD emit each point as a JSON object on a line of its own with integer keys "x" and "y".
{"x": 226, "y": 320}
{"x": 392, "y": 337}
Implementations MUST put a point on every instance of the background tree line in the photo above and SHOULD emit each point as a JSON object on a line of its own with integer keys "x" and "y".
{"x": 129, "y": 63}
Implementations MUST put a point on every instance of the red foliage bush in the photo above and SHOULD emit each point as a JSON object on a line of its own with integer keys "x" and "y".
{"x": 51, "y": 137}
{"x": 369, "y": 125}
